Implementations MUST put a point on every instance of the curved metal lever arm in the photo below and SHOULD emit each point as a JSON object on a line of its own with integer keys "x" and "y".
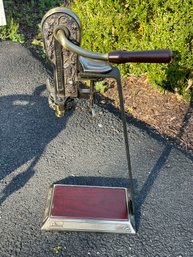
{"x": 151, "y": 56}
{"x": 67, "y": 44}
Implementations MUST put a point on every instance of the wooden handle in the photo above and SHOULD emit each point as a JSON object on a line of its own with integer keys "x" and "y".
{"x": 151, "y": 56}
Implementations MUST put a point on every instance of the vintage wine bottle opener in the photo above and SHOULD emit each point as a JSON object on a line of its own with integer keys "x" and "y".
{"x": 86, "y": 208}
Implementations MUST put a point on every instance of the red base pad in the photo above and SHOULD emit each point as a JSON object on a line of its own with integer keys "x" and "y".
{"x": 81, "y": 202}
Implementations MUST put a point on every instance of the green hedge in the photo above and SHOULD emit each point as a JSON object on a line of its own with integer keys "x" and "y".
{"x": 143, "y": 25}
{"x": 122, "y": 25}
{"x": 23, "y": 18}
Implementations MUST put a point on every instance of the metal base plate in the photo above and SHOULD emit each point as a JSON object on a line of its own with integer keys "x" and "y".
{"x": 88, "y": 208}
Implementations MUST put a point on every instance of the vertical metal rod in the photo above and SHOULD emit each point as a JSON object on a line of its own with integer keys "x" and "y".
{"x": 121, "y": 100}
{"x": 92, "y": 93}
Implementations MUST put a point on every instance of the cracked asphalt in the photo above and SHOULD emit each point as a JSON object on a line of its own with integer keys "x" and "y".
{"x": 37, "y": 149}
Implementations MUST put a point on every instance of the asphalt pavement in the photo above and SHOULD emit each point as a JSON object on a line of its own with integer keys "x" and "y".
{"x": 38, "y": 149}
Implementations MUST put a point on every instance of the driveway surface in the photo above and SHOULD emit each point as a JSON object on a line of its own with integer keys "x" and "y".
{"x": 37, "y": 149}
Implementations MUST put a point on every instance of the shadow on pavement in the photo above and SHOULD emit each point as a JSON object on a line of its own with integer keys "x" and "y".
{"x": 26, "y": 126}
{"x": 142, "y": 194}
{"x": 30, "y": 126}
{"x": 95, "y": 181}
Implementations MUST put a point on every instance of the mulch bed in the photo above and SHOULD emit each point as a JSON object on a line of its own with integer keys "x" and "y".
{"x": 166, "y": 112}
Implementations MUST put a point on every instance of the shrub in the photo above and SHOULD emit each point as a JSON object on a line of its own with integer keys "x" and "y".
{"x": 11, "y": 31}
{"x": 142, "y": 25}
{"x": 23, "y": 18}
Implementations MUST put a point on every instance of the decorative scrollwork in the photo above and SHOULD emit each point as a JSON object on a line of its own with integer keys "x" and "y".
{"x": 66, "y": 74}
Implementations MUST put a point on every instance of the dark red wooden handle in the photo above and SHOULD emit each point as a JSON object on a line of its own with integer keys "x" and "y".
{"x": 151, "y": 56}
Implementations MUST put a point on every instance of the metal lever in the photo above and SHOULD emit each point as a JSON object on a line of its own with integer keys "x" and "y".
{"x": 61, "y": 34}
{"x": 151, "y": 56}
